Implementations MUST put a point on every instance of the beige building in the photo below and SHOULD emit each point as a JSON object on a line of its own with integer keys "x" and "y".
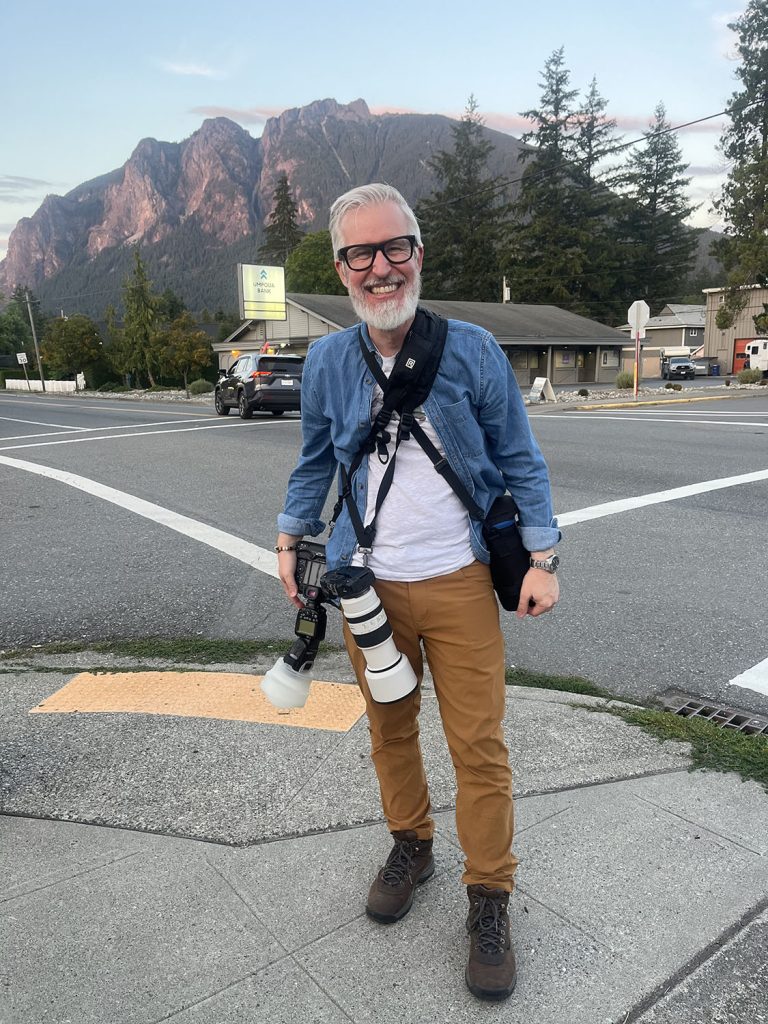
{"x": 678, "y": 327}
{"x": 727, "y": 347}
{"x": 539, "y": 341}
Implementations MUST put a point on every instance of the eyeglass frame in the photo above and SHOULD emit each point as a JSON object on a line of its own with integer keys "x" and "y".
{"x": 341, "y": 254}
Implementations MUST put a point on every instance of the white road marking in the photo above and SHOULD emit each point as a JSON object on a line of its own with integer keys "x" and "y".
{"x": 119, "y": 437}
{"x": 755, "y": 678}
{"x": 647, "y": 419}
{"x": 39, "y": 423}
{"x": 96, "y": 430}
{"x": 261, "y": 559}
{"x": 610, "y": 508}
{"x": 100, "y": 403}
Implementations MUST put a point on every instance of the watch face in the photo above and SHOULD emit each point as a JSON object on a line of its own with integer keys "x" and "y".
{"x": 554, "y": 562}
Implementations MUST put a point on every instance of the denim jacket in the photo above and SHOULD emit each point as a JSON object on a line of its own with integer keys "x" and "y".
{"x": 476, "y": 409}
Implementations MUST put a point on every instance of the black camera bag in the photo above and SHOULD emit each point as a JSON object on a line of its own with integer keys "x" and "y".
{"x": 509, "y": 559}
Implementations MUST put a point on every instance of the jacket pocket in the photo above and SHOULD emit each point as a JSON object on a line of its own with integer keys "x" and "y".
{"x": 466, "y": 432}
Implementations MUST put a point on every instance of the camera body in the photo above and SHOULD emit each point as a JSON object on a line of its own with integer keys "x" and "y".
{"x": 389, "y": 674}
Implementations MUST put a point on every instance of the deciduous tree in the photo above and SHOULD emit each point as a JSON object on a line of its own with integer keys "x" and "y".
{"x": 310, "y": 269}
{"x": 71, "y": 345}
{"x": 183, "y": 349}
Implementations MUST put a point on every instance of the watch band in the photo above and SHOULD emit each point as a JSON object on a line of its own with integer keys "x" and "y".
{"x": 547, "y": 564}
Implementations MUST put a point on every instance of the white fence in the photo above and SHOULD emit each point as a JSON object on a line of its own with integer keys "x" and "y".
{"x": 53, "y": 386}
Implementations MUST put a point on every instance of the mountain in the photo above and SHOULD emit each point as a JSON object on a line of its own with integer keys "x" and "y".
{"x": 199, "y": 206}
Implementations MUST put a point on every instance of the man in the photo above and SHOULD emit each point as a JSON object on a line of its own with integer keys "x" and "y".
{"x": 429, "y": 560}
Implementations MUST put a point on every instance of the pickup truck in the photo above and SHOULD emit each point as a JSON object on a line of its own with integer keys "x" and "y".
{"x": 678, "y": 366}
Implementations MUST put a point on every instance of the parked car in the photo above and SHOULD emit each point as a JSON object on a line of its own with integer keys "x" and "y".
{"x": 260, "y": 383}
{"x": 678, "y": 366}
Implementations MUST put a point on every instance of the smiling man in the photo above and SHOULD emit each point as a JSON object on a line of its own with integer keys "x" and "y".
{"x": 428, "y": 556}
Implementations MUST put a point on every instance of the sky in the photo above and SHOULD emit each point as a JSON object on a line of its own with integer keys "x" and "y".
{"x": 83, "y": 82}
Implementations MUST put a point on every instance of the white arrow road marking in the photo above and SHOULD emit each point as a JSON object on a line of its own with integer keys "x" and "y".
{"x": 755, "y": 678}
{"x": 261, "y": 559}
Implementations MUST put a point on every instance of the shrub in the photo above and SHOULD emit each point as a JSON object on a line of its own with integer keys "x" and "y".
{"x": 727, "y": 383}
{"x": 763, "y": 382}
{"x": 672, "y": 386}
{"x": 750, "y": 376}
{"x": 625, "y": 380}
{"x": 200, "y": 387}
{"x": 162, "y": 387}
{"x": 583, "y": 393}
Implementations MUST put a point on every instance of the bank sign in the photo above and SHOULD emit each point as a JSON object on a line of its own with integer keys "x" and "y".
{"x": 261, "y": 291}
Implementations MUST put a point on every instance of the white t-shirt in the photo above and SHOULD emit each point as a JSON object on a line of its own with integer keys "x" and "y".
{"x": 422, "y": 529}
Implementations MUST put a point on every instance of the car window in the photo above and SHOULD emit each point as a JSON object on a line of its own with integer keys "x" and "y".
{"x": 285, "y": 364}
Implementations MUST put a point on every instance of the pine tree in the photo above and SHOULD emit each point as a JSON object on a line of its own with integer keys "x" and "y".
{"x": 281, "y": 235}
{"x": 463, "y": 220}
{"x": 658, "y": 245}
{"x": 743, "y": 202}
{"x": 140, "y": 316}
{"x": 547, "y": 256}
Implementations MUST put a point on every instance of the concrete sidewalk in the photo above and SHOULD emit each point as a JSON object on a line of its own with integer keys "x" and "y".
{"x": 197, "y": 869}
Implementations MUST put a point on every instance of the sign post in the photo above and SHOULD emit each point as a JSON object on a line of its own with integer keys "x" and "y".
{"x": 21, "y": 358}
{"x": 638, "y": 316}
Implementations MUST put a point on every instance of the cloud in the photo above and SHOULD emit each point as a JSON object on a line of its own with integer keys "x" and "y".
{"x": 243, "y": 115}
{"x": 725, "y": 39}
{"x": 192, "y": 69}
{"x": 17, "y": 189}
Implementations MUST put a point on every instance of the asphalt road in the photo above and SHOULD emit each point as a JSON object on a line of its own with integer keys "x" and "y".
{"x": 670, "y": 594}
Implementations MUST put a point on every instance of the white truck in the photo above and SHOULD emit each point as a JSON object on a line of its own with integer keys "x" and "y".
{"x": 756, "y": 352}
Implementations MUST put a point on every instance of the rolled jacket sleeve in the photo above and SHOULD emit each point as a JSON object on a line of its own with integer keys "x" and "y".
{"x": 514, "y": 449}
{"x": 311, "y": 480}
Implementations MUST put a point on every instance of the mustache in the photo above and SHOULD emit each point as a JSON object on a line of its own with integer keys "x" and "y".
{"x": 374, "y": 281}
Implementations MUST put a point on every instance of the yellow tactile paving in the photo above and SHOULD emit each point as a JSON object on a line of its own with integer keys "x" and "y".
{"x": 332, "y": 706}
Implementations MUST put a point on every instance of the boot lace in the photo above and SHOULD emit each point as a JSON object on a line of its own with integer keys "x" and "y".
{"x": 399, "y": 863}
{"x": 488, "y": 918}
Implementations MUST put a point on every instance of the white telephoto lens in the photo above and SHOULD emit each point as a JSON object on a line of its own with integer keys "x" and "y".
{"x": 284, "y": 687}
{"x": 389, "y": 674}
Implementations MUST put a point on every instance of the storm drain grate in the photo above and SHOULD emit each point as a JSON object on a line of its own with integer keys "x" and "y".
{"x": 718, "y": 714}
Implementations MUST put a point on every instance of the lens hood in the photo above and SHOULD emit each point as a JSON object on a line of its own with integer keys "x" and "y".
{"x": 349, "y": 581}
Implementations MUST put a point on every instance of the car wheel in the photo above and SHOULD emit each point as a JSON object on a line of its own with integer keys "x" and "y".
{"x": 278, "y": 412}
{"x": 246, "y": 412}
{"x": 218, "y": 402}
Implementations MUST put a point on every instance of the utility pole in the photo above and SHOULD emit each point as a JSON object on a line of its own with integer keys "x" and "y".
{"x": 34, "y": 338}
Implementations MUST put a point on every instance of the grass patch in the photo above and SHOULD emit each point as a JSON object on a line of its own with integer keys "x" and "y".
{"x": 569, "y": 684}
{"x": 183, "y": 650}
{"x": 712, "y": 747}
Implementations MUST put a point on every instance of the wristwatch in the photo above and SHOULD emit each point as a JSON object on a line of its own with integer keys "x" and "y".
{"x": 547, "y": 564}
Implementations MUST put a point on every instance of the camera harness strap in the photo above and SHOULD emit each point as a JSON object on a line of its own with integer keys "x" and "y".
{"x": 404, "y": 391}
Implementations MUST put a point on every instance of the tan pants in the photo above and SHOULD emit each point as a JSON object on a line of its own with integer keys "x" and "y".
{"x": 456, "y": 618}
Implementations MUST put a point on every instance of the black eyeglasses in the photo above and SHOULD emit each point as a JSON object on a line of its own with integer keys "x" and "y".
{"x": 361, "y": 257}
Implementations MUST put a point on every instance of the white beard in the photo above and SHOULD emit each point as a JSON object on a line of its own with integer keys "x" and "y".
{"x": 389, "y": 315}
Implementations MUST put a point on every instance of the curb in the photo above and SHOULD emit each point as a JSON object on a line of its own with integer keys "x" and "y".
{"x": 635, "y": 404}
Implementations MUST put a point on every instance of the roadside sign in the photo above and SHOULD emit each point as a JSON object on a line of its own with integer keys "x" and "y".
{"x": 638, "y": 316}
{"x": 542, "y": 391}
{"x": 21, "y": 358}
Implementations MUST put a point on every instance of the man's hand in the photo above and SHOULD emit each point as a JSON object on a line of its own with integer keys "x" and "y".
{"x": 286, "y": 567}
{"x": 540, "y": 590}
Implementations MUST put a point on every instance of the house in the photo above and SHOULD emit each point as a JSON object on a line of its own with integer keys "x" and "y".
{"x": 727, "y": 347}
{"x": 539, "y": 341}
{"x": 677, "y": 327}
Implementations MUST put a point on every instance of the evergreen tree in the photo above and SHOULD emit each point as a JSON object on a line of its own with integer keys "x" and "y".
{"x": 743, "y": 202}
{"x": 140, "y": 317}
{"x": 169, "y": 305}
{"x": 547, "y": 257}
{"x": 310, "y": 270}
{"x": 281, "y": 235}
{"x": 463, "y": 220}
{"x": 658, "y": 246}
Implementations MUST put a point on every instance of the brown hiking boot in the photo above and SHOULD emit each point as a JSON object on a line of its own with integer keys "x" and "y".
{"x": 409, "y": 863}
{"x": 491, "y": 972}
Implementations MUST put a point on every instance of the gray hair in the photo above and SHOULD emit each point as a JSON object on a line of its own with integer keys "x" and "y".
{"x": 368, "y": 195}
